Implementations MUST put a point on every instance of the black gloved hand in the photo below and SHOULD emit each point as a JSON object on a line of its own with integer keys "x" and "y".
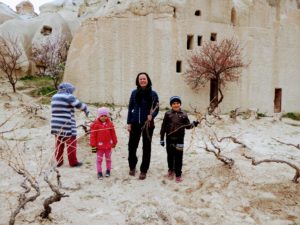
{"x": 162, "y": 143}
{"x": 94, "y": 149}
{"x": 195, "y": 123}
{"x": 87, "y": 113}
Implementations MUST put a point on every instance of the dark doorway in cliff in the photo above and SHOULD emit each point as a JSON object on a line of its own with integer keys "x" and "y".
{"x": 199, "y": 40}
{"x": 198, "y": 12}
{"x": 178, "y": 66}
{"x": 189, "y": 44}
{"x": 277, "y": 100}
{"x": 213, "y": 36}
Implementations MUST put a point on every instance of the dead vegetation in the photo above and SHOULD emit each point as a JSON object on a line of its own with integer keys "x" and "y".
{"x": 56, "y": 197}
{"x": 212, "y": 143}
{"x": 13, "y": 152}
{"x": 32, "y": 179}
{"x": 255, "y": 163}
{"x": 288, "y": 144}
{"x": 10, "y": 58}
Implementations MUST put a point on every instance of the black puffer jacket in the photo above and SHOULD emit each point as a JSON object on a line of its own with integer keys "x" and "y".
{"x": 174, "y": 124}
{"x": 138, "y": 112}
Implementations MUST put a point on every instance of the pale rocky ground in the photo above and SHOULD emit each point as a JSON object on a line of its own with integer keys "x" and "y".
{"x": 211, "y": 193}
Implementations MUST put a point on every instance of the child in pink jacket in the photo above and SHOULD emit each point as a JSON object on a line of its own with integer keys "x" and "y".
{"x": 102, "y": 139}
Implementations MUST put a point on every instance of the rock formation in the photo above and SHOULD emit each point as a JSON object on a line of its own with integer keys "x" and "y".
{"x": 152, "y": 36}
{"x": 114, "y": 40}
{"x": 31, "y": 29}
{"x": 25, "y": 8}
{"x": 6, "y": 13}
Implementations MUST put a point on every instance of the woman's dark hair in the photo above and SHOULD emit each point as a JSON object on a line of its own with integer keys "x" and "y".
{"x": 148, "y": 78}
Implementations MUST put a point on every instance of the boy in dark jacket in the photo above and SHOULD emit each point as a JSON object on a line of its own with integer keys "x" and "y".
{"x": 174, "y": 124}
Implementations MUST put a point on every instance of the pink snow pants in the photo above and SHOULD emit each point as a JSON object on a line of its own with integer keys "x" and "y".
{"x": 100, "y": 154}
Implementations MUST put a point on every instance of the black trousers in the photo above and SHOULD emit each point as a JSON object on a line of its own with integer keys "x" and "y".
{"x": 175, "y": 154}
{"x": 134, "y": 138}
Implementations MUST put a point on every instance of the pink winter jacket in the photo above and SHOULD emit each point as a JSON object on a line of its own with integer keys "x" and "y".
{"x": 103, "y": 135}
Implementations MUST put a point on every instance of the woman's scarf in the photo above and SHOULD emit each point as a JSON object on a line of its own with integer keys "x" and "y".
{"x": 144, "y": 94}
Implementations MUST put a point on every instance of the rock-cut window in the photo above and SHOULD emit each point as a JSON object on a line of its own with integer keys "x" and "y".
{"x": 198, "y": 13}
{"x": 178, "y": 66}
{"x": 46, "y": 30}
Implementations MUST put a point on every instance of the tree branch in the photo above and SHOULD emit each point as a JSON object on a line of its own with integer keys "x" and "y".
{"x": 56, "y": 197}
{"x": 227, "y": 161}
{"x": 294, "y": 145}
{"x": 255, "y": 163}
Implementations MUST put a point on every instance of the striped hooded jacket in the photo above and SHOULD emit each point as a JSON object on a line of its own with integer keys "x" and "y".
{"x": 63, "y": 106}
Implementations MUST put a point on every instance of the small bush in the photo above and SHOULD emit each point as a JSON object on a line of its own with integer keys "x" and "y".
{"x": 291, "y": 115}
{"x": 49, "y": 91}
{"x": 261, "y": 115}
{"x": 35, "y": 82}
{"x": 28, "y": 77}
{"x": 43, "y": 91}
{"x": 38, "y": 86}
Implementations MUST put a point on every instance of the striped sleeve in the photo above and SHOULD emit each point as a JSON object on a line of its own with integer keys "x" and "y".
{"x": 77, "y": 104}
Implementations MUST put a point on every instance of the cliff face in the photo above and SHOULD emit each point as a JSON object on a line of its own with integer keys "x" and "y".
{"x": 108, "y": 52}
{"x": 114, "y": 40}
{"x": 6, "y": 13}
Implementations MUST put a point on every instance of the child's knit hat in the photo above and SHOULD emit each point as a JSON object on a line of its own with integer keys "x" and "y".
{"x": 103, "y": 111}
{"x": 175, "y": 99}
{"x": 66, "y": 87}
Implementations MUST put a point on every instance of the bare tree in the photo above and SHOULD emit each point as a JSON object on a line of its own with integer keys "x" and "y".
{"x": 28, "y": 183}
{"x": 31, "y": 184}
{"x": 50, "y": 56}
{"x": 16, "y": 158}
{"x": 257, "y": 162}
{"x": 215, "y": 62}
{"x": 56, "y": 197}
{"x": 10, "y": 54}
{"x": 253, "y": 160}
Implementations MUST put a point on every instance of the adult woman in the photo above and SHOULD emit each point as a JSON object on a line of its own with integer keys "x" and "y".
{"x": 142, "y": 109}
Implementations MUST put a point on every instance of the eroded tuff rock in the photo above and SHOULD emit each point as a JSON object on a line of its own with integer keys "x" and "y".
{"x": 25, "y": 8}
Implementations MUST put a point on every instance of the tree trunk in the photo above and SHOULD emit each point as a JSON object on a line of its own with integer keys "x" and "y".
{"x": 214, "y": 84}
{"x": 14, "y": 87}
{"x": 222, "y": 96}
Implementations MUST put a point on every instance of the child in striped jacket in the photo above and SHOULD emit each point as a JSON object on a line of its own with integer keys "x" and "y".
{"x": 63, "y": 124}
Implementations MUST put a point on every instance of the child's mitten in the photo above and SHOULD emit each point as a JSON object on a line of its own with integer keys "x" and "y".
{"x": 94, "y": 149}
{"x": 195, "y": 123}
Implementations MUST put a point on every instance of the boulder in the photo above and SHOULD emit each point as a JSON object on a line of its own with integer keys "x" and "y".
{"x": 31, "y": 32}
{"x": 25, "y": 8}
{"x": 6, "y": 13}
